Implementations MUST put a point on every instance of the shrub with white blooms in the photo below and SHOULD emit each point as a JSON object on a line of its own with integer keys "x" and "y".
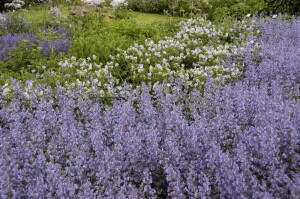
{"x": 93, "y": 2}
{"x": 198, "y": 50}
{"x": 116, "y": 3}
{"x": 15, "y": 4}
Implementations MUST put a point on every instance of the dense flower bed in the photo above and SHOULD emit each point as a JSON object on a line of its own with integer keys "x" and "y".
{"x": 238, "y": 140}
{"x": 198, "y": 50}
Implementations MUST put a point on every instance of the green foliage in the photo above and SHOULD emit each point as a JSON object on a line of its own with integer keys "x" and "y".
{"x": 284, "y": 6}
{"x": 99, "y": 43}
{"x": 118, "y": 35}
{"x": 221, "y": 13}
{"x": 180, "y": 7}
{"x": 85, "y": 22}
{"x": 218, "y": 10}
{"x": 32, "y": 2}
{"x": 22, "y": 56}
{"x": 184, "y": 7}
{"x": 121, "y": 12}
{"x": 240, "y": 10}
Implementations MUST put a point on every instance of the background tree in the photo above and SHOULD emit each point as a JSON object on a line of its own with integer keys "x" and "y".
{"x": 284, "y": 6}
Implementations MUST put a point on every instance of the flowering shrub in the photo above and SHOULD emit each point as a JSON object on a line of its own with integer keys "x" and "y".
{"x": 219, "y": 10}
{"x": 93, "y": 2}
{"x": 199, "y": 49}
{"x": 280, "y": 54}
{"x": 59, "y": 44}
{"x": 117, "y": 3}
{"x": 15, "y": 4}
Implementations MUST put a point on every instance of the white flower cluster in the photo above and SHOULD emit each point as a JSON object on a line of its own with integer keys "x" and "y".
{"x": 15, "y": 4}
{"x": 93, "y": 2}
{"x": 198, "y": 50}
{"x": 90, "y": 75}
{"x": 117, "y": 3}
{"x": 5, "y": 89}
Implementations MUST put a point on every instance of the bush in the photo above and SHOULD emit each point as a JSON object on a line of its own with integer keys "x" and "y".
{"x": 122, "y": 12}
{"x": 240, "y": 10}
{"x": 161, "y": 6}
{"x": 2, "y": 3}
{"x": 219, "y": 9}
{"x": 287, "y": 6}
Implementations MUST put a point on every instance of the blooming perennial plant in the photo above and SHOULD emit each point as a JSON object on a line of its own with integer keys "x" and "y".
{"x": 49, "y": 42}
{"x": 117, "y": 3}
{"x": 15, "y": 4}
{"x": 198, "y": 50}
{"x": 10, "y": 41}
{"x": 93, "y": 2}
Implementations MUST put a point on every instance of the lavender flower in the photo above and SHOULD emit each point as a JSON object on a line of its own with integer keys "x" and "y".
{"x": 59, "y": 45}
{"x": 10, "y": 41}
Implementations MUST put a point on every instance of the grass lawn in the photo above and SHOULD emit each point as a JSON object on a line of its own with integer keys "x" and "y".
{"x": 37, "y": 14}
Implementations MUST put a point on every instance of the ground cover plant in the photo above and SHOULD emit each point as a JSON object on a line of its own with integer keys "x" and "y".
{"x": 210, "y": 111}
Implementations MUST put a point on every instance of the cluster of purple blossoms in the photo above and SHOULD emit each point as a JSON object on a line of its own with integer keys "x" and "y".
{"x": 241, "y": 140}
{"x": 10, "y": 41}
{"x": 59, "y": 45}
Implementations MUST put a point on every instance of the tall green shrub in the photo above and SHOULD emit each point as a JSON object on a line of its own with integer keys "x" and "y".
{"x": 220, "y": 9}
{"x": 160, "y": 6}
{"x": 2, "y": 7}
{"x": 284, "y": 6}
